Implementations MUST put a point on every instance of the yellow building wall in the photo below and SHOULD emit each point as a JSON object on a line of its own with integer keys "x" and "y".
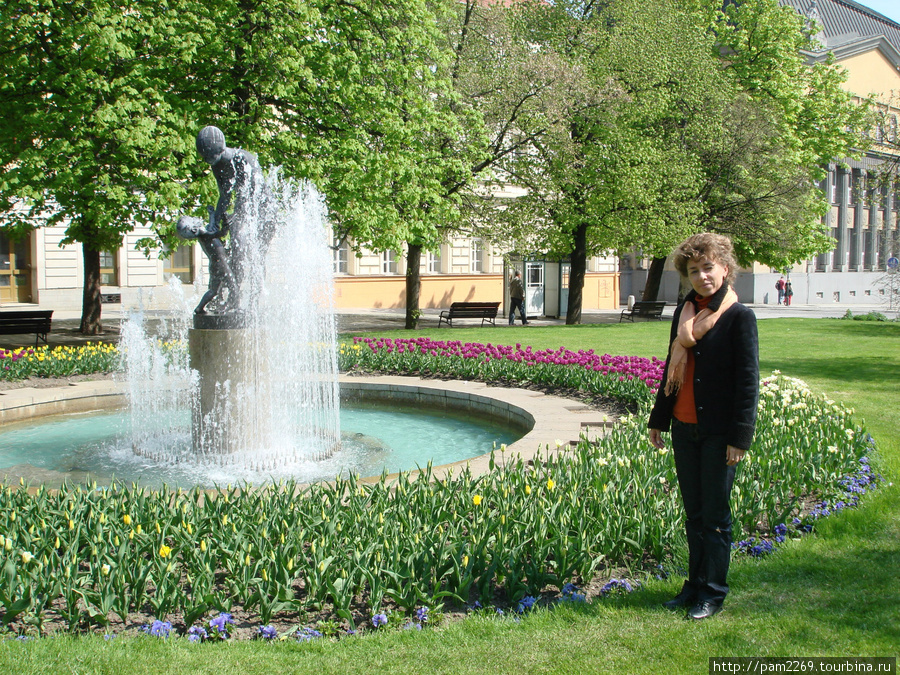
{"x": 601, "y": 291}
{"x": 389, "y": 292}
{"x": 870, "y": 73}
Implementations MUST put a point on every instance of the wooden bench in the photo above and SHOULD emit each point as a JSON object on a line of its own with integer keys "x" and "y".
{"x": 652, "y": 309}
{"x": 486, "y": 311}
{"x": 19, "y": 322}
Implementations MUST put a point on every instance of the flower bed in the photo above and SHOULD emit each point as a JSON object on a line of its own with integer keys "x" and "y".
{"x": 352, "y": 551}
{"x": 25, "y": 362}
{"x": 631, "y": 379}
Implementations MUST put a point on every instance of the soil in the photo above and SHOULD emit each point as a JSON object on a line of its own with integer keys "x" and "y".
{"x": 247, "y": 623}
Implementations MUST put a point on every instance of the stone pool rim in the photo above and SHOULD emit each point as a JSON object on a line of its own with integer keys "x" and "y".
{"x": 549, "y": 421}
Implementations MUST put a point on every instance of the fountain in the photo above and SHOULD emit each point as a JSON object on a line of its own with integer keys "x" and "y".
{"x": 255, "y": 396}
{"x": 261, "y": 373}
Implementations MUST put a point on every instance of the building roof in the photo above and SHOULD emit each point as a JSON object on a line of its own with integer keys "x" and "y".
{"x": 845, "y": 23}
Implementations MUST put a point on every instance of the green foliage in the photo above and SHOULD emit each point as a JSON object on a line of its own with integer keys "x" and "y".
{"x": 868, "y": 316}
{"x": 615, "y": 171}
{"x": 102, "y": 103}
{"x": 92, "y": 134}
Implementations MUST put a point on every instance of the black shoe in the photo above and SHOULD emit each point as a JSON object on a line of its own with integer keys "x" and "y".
{"x": 681, "y": 600}
{"x": 704, "y": 609}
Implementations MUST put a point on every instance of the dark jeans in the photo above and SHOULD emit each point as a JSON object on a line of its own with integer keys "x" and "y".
{"x": 520, "y": 303}
{"x": 705, "y": 481}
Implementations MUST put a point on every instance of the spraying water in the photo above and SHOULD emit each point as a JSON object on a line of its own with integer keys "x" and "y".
{"x": 264, "y": 396}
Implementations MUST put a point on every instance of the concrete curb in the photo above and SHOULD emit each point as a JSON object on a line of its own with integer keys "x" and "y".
{"x": 552, "y": 422}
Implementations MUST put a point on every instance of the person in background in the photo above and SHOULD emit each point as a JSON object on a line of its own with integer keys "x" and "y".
{"x": 708, "y": 396}
{"x": 788, "y": 293}
{"x": 517, "y": 298}
{"x": 779, "y": 286}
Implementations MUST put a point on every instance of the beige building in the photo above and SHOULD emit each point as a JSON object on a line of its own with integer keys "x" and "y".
{"x": 38, "y": 270}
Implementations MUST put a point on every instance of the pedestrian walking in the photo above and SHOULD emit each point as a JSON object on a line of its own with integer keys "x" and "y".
{"x": 517, "y": 298}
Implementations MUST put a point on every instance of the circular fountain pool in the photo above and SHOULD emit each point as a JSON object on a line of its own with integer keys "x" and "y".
{"x": 376, "y": 437}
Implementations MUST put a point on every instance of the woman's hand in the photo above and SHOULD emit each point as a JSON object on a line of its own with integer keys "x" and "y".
{"x": 733, "y": 455}
{"x": 656, "y": 439}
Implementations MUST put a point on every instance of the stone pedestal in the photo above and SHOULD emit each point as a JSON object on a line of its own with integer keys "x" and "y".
{"x": 229, "y": 411}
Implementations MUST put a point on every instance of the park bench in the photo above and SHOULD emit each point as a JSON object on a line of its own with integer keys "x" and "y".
{"x": 652, "y": 309}
{"x": 486, "y": 311}
{"x": 19, "y": 322}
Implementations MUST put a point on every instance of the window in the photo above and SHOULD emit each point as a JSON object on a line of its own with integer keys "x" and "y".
{"x": 832, "y": 186}
{"x": 180, "y": 264}
{"x": 109, "y": 273}
{"x": 341, "y": 256}
{"x": 477, "y": 252}
{"x": 389, "y": 262}
{"x": 434, "y": 262}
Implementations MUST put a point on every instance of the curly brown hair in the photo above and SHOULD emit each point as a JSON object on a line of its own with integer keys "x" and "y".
{"x": 715, "y": 247}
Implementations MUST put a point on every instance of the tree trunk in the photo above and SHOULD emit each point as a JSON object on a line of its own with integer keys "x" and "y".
{"x": 576, "y": 276}
{"x": 413, "y": 285}
{"x": 90, "y": 299}
{"x": 654, "y": 277}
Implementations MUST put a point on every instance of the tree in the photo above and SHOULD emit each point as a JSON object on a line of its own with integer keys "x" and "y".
{"x": 352, "y": 97}
{"x": 499, "y": 98}
{"x": 91, "y": 134}
{"x": 103, "y": 102}
{"x": 800, "y": 118}
{"x": 620, "y": 172}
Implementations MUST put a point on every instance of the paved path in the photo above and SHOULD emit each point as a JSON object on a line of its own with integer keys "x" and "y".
{"x": 65, "y": 323}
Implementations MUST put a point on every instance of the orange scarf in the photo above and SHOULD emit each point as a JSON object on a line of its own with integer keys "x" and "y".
{"x": 692, "y": 326}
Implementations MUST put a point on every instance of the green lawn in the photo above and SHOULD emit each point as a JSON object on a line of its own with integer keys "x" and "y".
{"x": 832, "y": 594}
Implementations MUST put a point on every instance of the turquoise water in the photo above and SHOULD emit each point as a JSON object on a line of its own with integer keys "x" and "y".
{"x": 97, "y": 446}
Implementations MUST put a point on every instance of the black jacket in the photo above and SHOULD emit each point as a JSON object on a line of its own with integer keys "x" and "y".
{"x": 726, "y": 376}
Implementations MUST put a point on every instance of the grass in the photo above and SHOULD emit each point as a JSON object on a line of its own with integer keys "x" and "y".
{"x": 831, "y": 594}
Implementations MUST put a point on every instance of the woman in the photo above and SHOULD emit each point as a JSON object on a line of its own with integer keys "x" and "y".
{"x": 709, "y": 396}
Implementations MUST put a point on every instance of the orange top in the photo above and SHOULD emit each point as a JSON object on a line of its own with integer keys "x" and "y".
{"x": 685, "y": 409}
